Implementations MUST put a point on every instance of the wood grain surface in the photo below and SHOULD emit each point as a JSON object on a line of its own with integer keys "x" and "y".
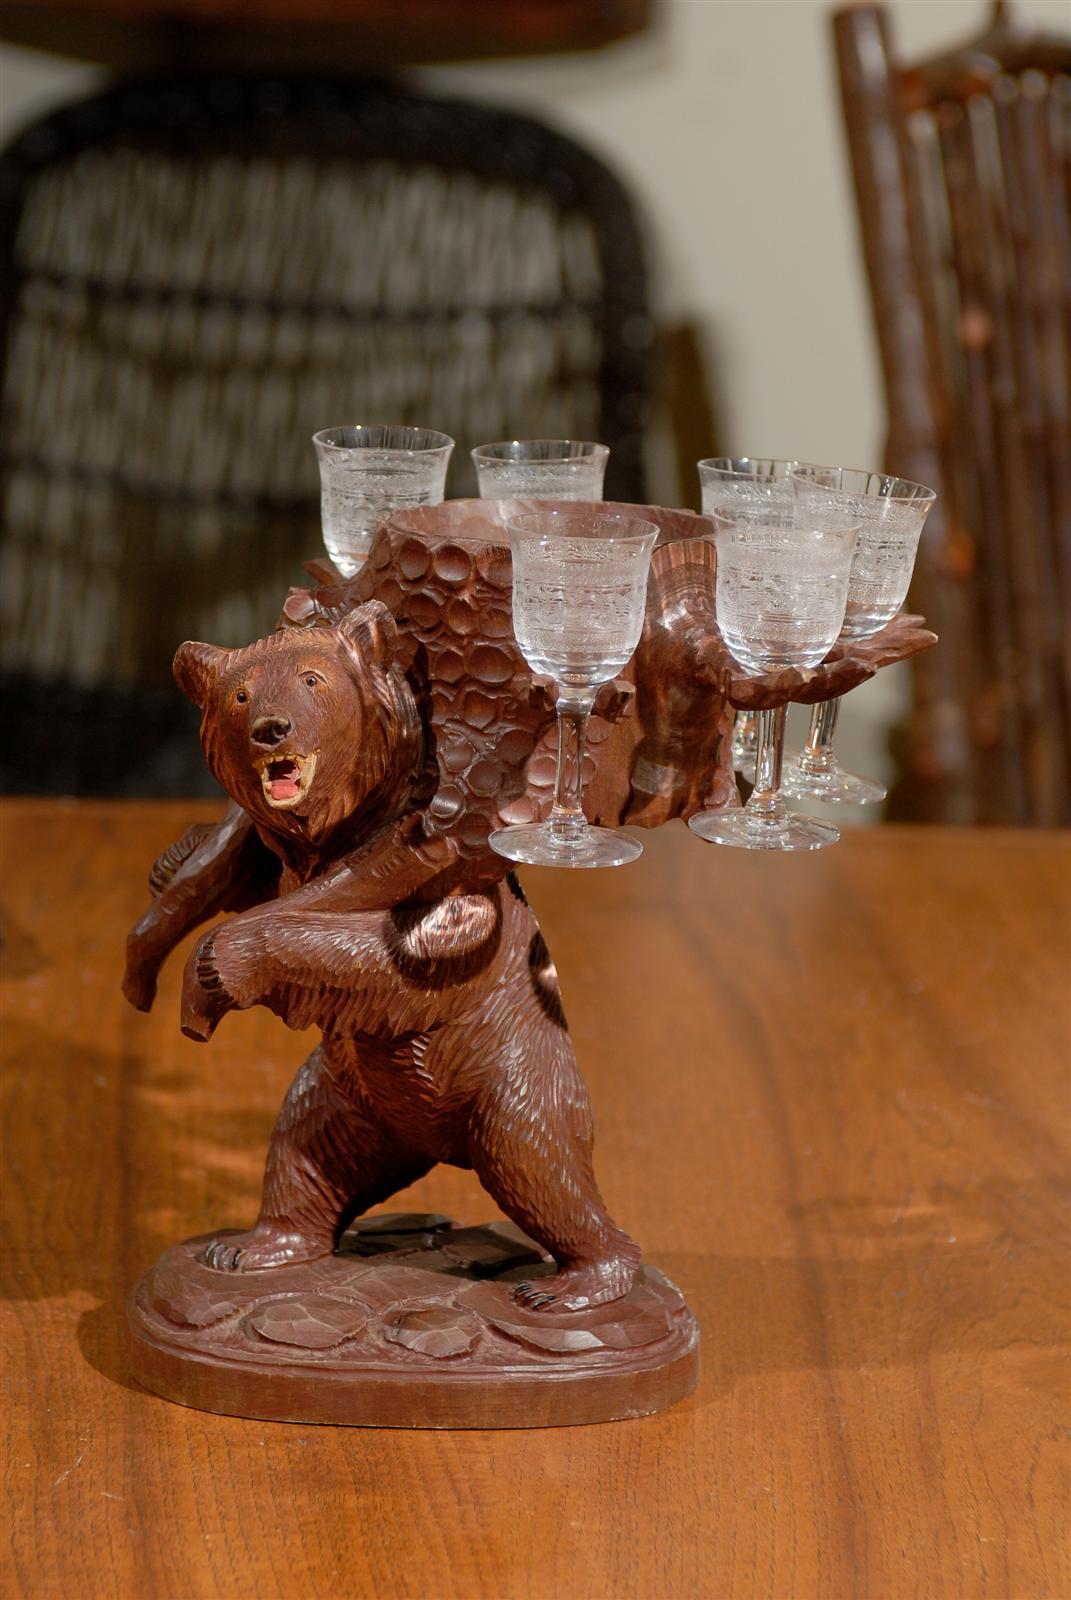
{"x": 832, "y": 1103}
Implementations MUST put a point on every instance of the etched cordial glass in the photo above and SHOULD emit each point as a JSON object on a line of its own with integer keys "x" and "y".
{"x": 891, "y": 513}
{"x": 579, "y": 595}
{"x": 541, "y": 469}
{"x": 369, "y": 469}
{"x": 744, "y": 481}
{"x": 782, "y": 586}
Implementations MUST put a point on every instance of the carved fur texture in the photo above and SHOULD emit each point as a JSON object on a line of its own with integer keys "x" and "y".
{"x": 443, "y": 1033}
{"x": 369, "y": 746}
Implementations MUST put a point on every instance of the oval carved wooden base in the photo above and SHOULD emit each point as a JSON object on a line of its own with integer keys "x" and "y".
{"x": 410, "y": 1324}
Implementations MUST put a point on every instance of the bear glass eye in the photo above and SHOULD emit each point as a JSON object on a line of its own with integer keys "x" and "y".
{"x": 313, "y": 680}
{"x": 241, "y": 696}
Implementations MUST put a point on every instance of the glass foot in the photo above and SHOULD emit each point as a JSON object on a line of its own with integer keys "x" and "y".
{"x": 751, "y": 833}
{"x": 534, "y": 844}
{"x": 837, "y": 788}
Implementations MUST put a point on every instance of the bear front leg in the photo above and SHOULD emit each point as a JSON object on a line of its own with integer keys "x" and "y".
{"x": 339, "y": 971}
{"x": 235, "y": 966}
{"x": 279, "y": 960}
{"x": 327, "y": 1163}
{"x": 210, "y": 869}
{"x": 205, "y": 999}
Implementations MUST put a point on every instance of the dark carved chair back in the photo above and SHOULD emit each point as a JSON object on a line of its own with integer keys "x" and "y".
{"x": 196, "y": 275}
{"x": 963, "y": 177}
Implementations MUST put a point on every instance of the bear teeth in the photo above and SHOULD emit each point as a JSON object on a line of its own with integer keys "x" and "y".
{"x": 295, "y": 771}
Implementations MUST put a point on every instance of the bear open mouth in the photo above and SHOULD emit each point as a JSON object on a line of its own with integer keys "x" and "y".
{"x": 286, "y": 779}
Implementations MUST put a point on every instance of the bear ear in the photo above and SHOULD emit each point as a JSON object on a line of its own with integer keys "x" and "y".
{"x": 372, "y": 631}
{"x": 196, "y": 667}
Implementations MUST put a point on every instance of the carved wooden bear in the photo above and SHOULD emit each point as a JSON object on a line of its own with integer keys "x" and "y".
{"x": 355, "y": 854}
{"x": 443, "y": 1033}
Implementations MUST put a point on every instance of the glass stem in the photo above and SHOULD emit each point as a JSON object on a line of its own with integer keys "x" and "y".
{"x": 818, "y": 756}
{"x": 567, "y": 822}
{"x": 766, "y": 804}
{"x": 744, "y": 736}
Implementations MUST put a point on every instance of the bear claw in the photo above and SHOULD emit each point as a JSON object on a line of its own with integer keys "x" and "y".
{"x": 258, "y": 1252}
{"x": 221, "y": 1257}
{"x": 530, "y": 1295}
{"x": 577, "y": 1288}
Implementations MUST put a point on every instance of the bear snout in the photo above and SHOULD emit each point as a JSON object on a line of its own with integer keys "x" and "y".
{"x": 270, "y": 730}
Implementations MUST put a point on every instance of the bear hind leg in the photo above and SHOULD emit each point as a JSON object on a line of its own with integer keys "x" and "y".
{"x": 532, "y": 1152}
{"x": 327, "y": 1163}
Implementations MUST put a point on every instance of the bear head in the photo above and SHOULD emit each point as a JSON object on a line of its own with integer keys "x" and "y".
{"x": 311, "y": 730}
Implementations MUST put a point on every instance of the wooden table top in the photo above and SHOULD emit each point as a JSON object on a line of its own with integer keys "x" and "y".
{"x": 832, "y": 1100}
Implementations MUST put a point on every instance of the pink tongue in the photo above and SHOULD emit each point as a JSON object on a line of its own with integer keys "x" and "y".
{"x": 283, "y": 788}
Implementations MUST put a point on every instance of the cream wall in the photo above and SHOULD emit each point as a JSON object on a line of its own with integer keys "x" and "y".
{"x": 724, "y": 122}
